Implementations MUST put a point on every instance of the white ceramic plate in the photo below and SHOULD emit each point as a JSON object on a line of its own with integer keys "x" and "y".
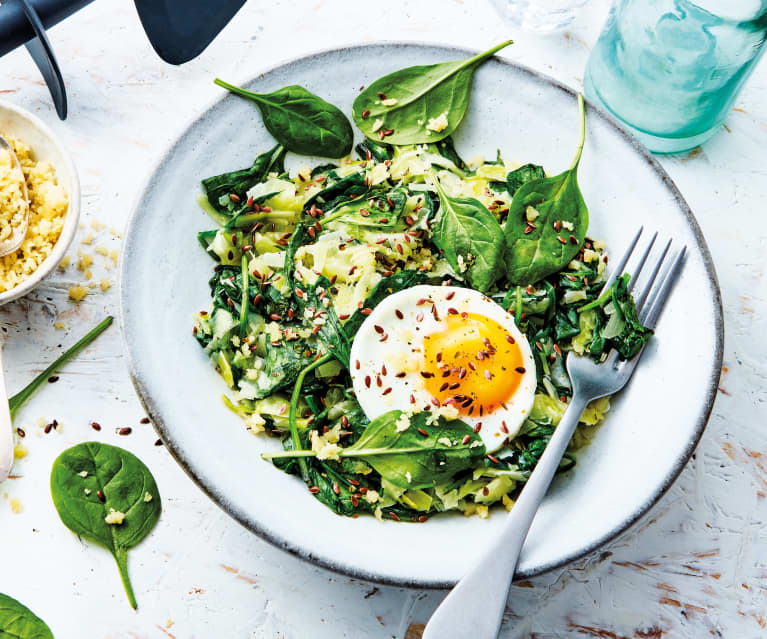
{"x": 651, "y": 432}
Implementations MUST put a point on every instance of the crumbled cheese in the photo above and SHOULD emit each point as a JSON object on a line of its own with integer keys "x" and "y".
{"x": 59, "y": 326}
{"x": 88, "y": 239}
{"x": 87, "y": 491}
{"x": 599, "y": 245}
{"x": 402, "y": 423}
{"x": 20, "y": 451}
{"x": 449, "y": 412}
{"x": 461, "y": 264}
{"x": 78, "y": 293}
{"x": 377, "y": 125}
{"x": 115, "y": 517}
{"x": 324, "y": 448}
{"x": 47, "y": 209}
{"x": 147, "y": 497}
{"x": 476, "y": 443}
{"x": 567, "y": 225}
{"x": 508, "y": 502}
{"x": 445, "y": 441}
{"x": 16, "y": 506}
{"x": 83, "y": 473}
{"x": 88, "y": 274}
{"x": 255, "y": 423}
{"x": 105, "y": 285}
{"x": 389, "y": 101}
{"x": 589, "y": 255}
{"x": 64, "y": 263}
{"x": 102, "y": 250}
{"x": 531, "y": 213}
{"x": 378, "y": 513}
{"x": 113, "y": 255}
{"x": 85, "y": 260}
{"x": 439, "y": 123}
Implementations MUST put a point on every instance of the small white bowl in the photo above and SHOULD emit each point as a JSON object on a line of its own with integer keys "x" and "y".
{"x": 45, "y": 145}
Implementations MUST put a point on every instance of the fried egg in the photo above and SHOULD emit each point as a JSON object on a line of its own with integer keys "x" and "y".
{"x": 449, "y": 350}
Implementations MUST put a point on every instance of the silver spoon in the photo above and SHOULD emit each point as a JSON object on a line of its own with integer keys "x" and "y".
{"x": 18, "y": 235}
{"x": 6, "y": 247}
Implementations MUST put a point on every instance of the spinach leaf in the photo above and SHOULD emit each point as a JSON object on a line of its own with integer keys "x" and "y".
{"x": 90, "y": 482}
{"x": 347, "y": 188}
{"x": 295, "y": 437}
{"x": 623, "y": 330}
{"x": 282, "y": 366}
{"x": 17, "y": 401}
{"x": 418, "y": 104}
{"x": 331, "y": 332}
{"x": 370, "y": 150}
{"x": 543, "y": 245}
{"x": 399, "y": 281}
{"x": 523, "y": 175}
{"x": 409, "y": 458}
{"x": 218, "y": 188}
{"x": 382, "y": 211}
{"x": 301, "y": 121}
{"x": 19, "y": 622}
{"x": 467, "y": 230}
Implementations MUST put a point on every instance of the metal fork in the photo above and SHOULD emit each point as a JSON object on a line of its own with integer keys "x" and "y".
{"x": 474, "y": 608}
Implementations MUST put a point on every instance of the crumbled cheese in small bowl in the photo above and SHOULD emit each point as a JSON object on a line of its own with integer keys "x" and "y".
{"x": 54, "y": 193}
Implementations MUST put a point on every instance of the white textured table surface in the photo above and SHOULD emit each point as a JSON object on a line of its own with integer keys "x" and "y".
{"x": 695, "y": 567}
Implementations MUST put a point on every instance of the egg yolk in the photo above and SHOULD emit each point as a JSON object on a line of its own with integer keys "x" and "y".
{"x": 473, "y": 363}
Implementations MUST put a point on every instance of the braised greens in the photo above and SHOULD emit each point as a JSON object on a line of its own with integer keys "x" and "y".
{"x": 303, "y": 256}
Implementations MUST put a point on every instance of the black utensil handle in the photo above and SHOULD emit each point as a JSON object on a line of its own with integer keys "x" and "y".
{"x": 15, "y": 29}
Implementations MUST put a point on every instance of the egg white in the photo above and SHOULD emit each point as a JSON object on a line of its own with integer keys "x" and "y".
{"x": 387, "y": 344}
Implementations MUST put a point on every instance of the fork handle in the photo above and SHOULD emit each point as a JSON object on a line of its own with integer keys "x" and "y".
{"x": 474, "y": 608}
{"x": 6, "y": 429}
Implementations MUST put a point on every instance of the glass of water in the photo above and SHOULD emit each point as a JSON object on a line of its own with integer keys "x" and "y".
{"x": 671, "y": 69}
{"x": 541, "y": 16}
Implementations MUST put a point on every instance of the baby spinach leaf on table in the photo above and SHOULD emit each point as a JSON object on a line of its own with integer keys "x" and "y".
{"x": 524, "y": 174}
{"x": 19, "y": 622}
{"x": 410, "y": 459}
{"x": 405, "y": 101}
{"x": 301, "y": 121}
{"x": 88, "y": 482}
{"x": 535, "y": 249}
{"x": 17, "y": 401}
{"x": 466, "y": 229}
{"x": 218, "y": 187}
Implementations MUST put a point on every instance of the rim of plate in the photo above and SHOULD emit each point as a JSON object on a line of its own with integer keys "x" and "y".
{"x": 306, "y": 554}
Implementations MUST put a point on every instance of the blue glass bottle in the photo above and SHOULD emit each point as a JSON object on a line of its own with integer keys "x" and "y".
{"x": 671, "y": 69}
